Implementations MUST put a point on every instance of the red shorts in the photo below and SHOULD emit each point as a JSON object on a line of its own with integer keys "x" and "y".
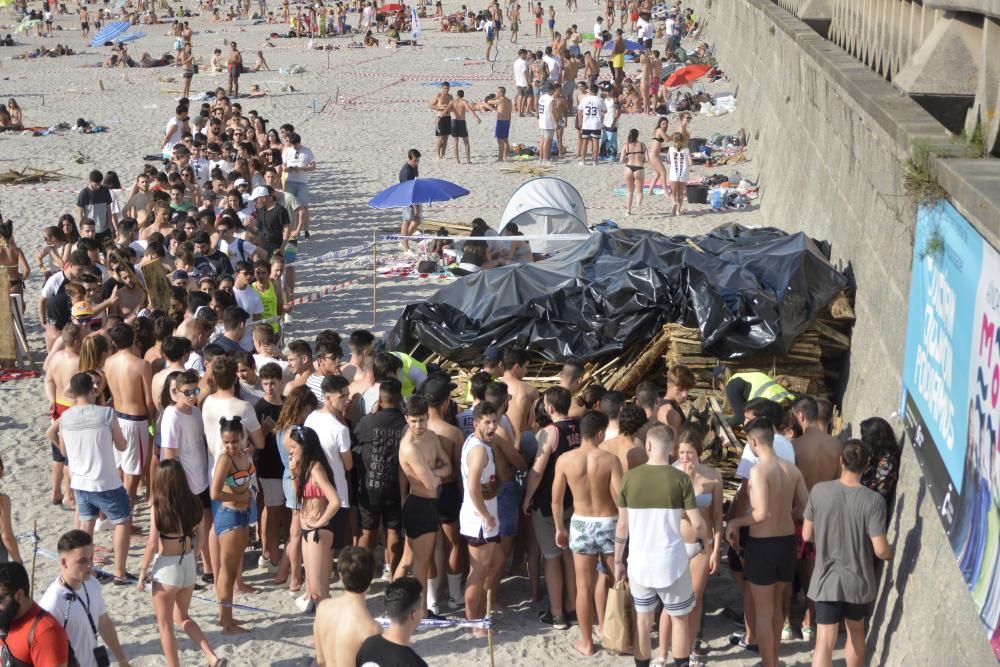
{"x": 57, "y": 410}
{"x": 803, "y": 550}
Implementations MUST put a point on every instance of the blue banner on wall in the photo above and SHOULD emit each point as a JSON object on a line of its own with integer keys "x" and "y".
{"x": 951, "y": 382}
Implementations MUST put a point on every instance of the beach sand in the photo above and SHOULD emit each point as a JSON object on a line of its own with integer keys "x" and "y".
{"x": 360, "y": 140}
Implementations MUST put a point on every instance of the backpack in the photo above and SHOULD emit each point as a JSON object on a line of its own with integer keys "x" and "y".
{"x": 239, "y": 250}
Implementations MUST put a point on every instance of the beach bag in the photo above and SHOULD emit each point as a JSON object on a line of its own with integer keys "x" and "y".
{"x": 697, "y": 194}
{"x": 619, "y": 619}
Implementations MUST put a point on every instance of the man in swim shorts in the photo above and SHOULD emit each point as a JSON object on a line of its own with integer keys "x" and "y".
{"x": 769, "y": 552}
{"x": 440, "y": 105}
{"x": 504, "y": 108}
{"x": 130, "y": 381}
{"x": 425, "y": 463}
{"x": 592, "y": 475}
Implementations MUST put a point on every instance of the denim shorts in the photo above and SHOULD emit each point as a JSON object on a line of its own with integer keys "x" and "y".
{"x": 291, "y": 501}
{"x": 226, "y": 519}
{"x": 114, "y": 504}
{"x": 508, "y": 508}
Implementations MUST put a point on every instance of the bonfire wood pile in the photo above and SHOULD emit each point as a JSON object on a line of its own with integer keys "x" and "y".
{"x": 811, "y": 366}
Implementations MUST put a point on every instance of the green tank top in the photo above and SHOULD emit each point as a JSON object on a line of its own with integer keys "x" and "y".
{"x": 269, "y": 299}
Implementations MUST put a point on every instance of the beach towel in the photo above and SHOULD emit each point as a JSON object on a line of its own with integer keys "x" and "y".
{"x": 454, "y": 84}
{"x": 7, "y": 374}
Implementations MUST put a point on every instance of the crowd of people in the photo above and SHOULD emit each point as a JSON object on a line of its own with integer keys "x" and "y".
{"x": 172, "y": 384}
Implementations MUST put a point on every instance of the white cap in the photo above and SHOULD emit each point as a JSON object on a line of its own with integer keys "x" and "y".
{"x": 239, "y": 181}
{"x": 260, "y": 191}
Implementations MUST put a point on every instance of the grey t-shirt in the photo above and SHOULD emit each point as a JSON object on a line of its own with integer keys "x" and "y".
{"x": 845, "y": 518}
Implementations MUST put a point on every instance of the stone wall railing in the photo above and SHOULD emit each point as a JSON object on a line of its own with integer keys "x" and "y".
{"x": 943, "y": 53}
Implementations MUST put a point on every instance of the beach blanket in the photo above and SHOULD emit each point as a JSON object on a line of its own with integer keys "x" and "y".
{"x": 453, "y": 84}
{"x": 7, "y": 374}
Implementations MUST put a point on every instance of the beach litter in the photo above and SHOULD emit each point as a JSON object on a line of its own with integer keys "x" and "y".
{"x": 29, "y": 175}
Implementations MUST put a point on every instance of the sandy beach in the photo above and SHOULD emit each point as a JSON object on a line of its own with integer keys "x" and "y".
{"x": 359, "y": 110}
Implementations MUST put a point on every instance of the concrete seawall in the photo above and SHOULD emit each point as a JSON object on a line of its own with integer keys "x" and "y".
{"x": 831, "y": 135}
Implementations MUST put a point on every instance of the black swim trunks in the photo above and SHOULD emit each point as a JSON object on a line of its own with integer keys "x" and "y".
{"x": 459, "y": 129}
{"x": 768, "y": 560}
{"x": 443, "y": 126}
{"x": 449, "y": 502}
{"x": 376, "y": 508}
{"x": 419, "y": 516}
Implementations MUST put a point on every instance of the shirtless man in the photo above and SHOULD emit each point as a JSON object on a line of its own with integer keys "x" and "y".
{"x": 425, "y": 464}
{"x": 84, "y": 22}
{"x": 62, "y": 365}
{"x": 235, "y": 67}
{"x": 300, "y": 363}
{"x": 360, "y": 344}
{"x": 508, "y": 459}
{"x": 504, "y": 108}
{"x": 132, "y": 298}
{"x": 817, "y": 456}
{"x": 130, "y": 381}
{"x": 571, "y": 379}
{"x": 630, "y": 452}
{"x": 342, "y": 624}
{"x": 364, "y": 381}
{"x": 437, "y": 391}
{"x": 440, "y": 105}
{"x": 680, "y": 381}
{"x": 522, "y": 394}
{"x": 593, "y": 476}
{"x": 459, "y": 128}
{"x": 777, "y": 498}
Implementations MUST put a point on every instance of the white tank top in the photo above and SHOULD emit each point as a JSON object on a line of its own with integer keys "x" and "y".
{"x": 469, "y": 521}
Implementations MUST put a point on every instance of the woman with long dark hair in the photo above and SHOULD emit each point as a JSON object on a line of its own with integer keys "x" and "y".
{"x": 317, "y": 497}
{"x": 174, "y": 518}
{"x": 882, "y": 472}
{"x": 298, "y": 405}
{"x": 633, "y": 156}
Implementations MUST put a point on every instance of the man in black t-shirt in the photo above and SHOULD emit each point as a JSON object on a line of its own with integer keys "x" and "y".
{"x": 273, "y": 224}
{"x": 208, "y": 260}
{"x": 270, "y": 470}
{"x": 378, "y": 435}
{"x": 411, "y": 169}
{"x": 392, "y": 647}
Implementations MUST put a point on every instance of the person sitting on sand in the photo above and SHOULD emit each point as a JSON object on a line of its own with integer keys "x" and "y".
{"x": 370, "y": 39}
{"x": 261, "y": 64}
{"x": 16, "y": 121}
{"x": 5, "y": 123}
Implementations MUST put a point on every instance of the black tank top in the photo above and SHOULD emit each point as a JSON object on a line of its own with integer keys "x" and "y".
{"x": 569, "y": 438}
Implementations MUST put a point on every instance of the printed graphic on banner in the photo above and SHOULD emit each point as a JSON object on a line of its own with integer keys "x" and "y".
{"x": 952, "y": 390}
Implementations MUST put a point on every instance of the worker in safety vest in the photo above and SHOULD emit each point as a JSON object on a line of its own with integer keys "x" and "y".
{"x": 742, "y": 388}
{"x": 412, "y": 373}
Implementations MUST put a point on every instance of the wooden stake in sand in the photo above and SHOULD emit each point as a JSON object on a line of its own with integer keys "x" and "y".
{"x": 489, "y": 619}
{"x": 374, "y": 268}
{"x": 34, "y": 551}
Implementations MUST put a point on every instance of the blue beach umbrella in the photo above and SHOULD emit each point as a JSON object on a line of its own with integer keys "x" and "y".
{"x": 131, "y": 37}
{"x": 417, "y": 191}
{"x": 630, "y": 45}
{"x": 109, "y": 32}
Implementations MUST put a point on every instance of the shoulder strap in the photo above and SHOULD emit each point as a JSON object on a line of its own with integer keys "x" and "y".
{"x": 31, "y": 632}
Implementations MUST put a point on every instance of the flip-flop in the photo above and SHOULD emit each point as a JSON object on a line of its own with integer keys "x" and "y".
{"x": 128, "y": 580}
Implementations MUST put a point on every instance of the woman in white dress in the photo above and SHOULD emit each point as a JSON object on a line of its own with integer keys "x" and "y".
{"x": 679, "y": 160}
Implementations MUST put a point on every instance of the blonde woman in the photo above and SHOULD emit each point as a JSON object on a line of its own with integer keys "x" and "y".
{"x": 707, "y": 484}
{"x": 679, "y": 160}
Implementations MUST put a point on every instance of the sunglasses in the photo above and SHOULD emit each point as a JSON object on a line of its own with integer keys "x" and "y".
{"x": 191, "y": 393}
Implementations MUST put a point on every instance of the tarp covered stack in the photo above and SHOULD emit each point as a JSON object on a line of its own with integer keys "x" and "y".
{"x": 749, "y": 293}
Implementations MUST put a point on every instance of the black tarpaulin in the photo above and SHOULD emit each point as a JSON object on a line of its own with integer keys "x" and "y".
{"x": 749, "y": 292}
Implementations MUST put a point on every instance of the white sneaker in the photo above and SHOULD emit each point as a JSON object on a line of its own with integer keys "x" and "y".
{"x": 265, "y": 564}
{"x": 102, "y": 525}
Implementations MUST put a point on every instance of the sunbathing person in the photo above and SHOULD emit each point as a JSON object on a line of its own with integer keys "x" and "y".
{"x": 261, "y": 64}
{"x": 370, "y": 39}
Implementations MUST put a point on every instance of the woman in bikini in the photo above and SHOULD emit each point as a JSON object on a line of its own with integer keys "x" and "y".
{"x": 174, "y": 518}
{"x": 54, "y": 253}
{"x": 16, "y": 118}
{"x": 298, "y": 405}
{"x": 317, "y": 496}
{"x": 12, "y": 259}
{"x": 660, "y": 137}
{"x": 232, "y": 505}
{"x": 633, "y": 156}
{"x": 707, "y": 484}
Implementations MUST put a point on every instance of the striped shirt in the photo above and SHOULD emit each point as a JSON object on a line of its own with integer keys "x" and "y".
{"x": 656, "y": 497}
